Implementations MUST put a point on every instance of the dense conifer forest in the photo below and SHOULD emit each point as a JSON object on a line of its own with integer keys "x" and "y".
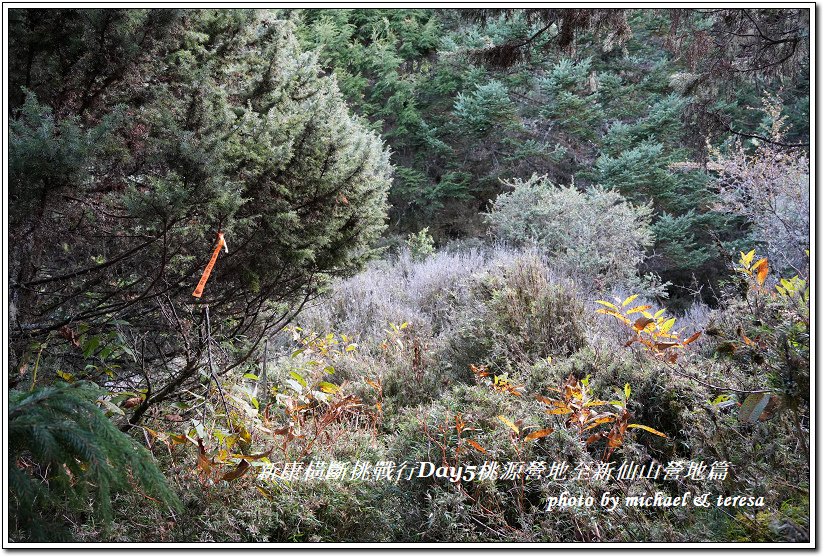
{"x": 408, "y": 275}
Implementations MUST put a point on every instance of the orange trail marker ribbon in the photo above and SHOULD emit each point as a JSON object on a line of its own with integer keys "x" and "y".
{"x": 221, "y": 243}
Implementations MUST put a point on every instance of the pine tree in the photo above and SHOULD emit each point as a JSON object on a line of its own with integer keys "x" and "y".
{"x": 167, "y": 127}
{"x": 65, "y": 455}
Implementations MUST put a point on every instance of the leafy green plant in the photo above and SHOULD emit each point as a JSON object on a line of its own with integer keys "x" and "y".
{"x": 420, "y": 245}
{"x": 773, "y": 336}
{"x": 500, "y": 383}
{"x": 652, "y": 330}
{"x": 580, "y": 408}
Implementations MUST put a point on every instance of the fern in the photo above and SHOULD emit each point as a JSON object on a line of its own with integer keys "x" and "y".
{"x": 63, "y": 452}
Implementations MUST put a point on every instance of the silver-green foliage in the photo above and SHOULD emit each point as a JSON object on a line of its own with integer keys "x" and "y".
{"x": 230, "y": 127}
{"x": 484, "y": 108}
{"x": 596, "y": 232}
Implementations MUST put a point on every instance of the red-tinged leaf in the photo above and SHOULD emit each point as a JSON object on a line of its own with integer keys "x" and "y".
{"x": 641, "y": 323}
{"x": 545, "y": 400}
{"x": 203, "y": 463}
{"x": 595, "y": 437}
{"x": 132, "y": 402}
{"x": 692, "y": 338}
{"x": 480, "y": 371}
{"x": 538, "y": 434}
{"x": 242, "y": 467}
{"x": 761, "y": 268}
{"x": 598, "y": 422}
{"x": 772, "y": 407}
{"x": 70, "y": 335}
{"x": 666, "y": 345}
{"x": 476, "y": 445}
{"x": 647, "y": 428}
{"x": 177, "y": 439}
{"x": 614, "y": 440}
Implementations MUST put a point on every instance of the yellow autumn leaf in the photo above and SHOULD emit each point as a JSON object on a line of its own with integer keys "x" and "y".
{"x": 614, "y": 314}
{"x": 629, "y": 300}
{"x": 647, "y": 428}
{"x": 596, "y": 403}
{"x": 667, "y": 325}
{"x": 638, "y": 309}
{"x": 509, "y": 424}
{"x": 608, "y": 304}
{"x": 329, "y": 388}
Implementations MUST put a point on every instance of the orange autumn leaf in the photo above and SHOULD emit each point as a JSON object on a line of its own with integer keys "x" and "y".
{"x": 761, "y": 268}
{"x": 476, "y": 445}
{"x": 538, "y": 434}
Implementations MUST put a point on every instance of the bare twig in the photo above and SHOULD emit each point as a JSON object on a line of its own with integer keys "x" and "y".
{"x": 212, "y": 374}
